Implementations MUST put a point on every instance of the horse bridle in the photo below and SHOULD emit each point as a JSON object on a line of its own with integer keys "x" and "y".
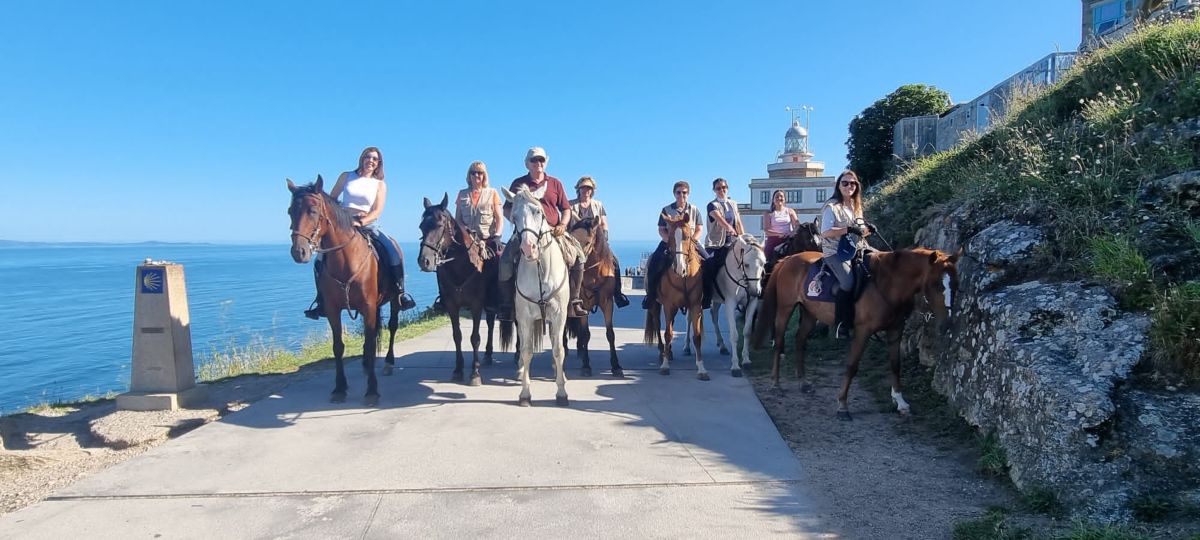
{"x": 543, "y": 299}
{"x": 314, "y": 240}
{"x": 439, "y": 250}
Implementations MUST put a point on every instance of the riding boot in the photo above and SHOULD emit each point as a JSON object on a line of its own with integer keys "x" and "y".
{"x": 406, "y": 300}
{"x": 619, "y": 297}
{"x": 508, "y": 291}
{"x": 708, "y": 275}
{"x": 576, "y": 280}
{"x": 654, "y": 272}
{"x": 843, "y": 314}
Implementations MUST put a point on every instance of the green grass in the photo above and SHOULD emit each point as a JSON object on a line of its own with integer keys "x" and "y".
{"x": 993, "y": 460}
{"x": 1043, "y": 501}
{"x": 1087, "y": 531}
{"x": 63, "y": 408}
{"x": 1175, "y": 333}
{"x": 1114, "y": 259}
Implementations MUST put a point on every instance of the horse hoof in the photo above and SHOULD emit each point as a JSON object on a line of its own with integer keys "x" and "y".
{"x": 456, "y": 377}
{"x": 337, "y": 397}
{"x": 387, "y": 370}
{"x": 702, "y": 376}
{"x": 525, "y": 402}
{"x": 618, "y": 373}
{"x": 371, "y": 401}
{"x": 561, "y": 401}
{"x": 585, "y": 372}
{"x": 807, "y": 388}
{"x": 844, "y": 416}
{"x": 904, "y": 412}
{"x": 664, "y": 371}
{"x": 737, "y": 373}
{"x": 476, "y": 381}
{"x": 724, "y": 351}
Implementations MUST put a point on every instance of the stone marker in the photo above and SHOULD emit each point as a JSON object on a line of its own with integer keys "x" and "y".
{"x": 164, "y": 377}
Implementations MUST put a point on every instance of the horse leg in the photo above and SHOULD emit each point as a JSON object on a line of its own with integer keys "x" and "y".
{"x": 687, "y": 338}
{"x": 476, "y": 379}
{"x": 370, "y": 347}
{"x": 856, "y": 351}
{"x": 525, "y": 354}
{"x": 491, "y": 324}
{"x": 581, "y": 344}
{"x": 782, "y": 315}
{"x": 697, "y": 323}
{"x": 747, "y": 328}
{"x": 612, "y": 341}
{"x": 715, "y": 313}
{"x": 735, "y": 367}
{"x": 893, "y": 341}
{"x": 664, "y": 343}
{"x": 457, "y": 333}
{"x": 560, "y": 371}
{"x": 806, "y": 325}
{"x": 389, "y": 362}
{"x": 339, "y": 347}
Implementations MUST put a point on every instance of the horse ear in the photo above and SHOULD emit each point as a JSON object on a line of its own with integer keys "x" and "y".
{"x": 427, "y": 202}
{"x": 291, "y": 186}
{"x": 933, "y": 257}
{"x": 445, "y": 199}
{"x": 954, "y": 258}
{"x": 320, "y": 184}
{"x": 508, "y": 195}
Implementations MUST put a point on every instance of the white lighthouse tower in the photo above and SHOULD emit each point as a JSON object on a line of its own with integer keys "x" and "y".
{"x": 802, "y": 180}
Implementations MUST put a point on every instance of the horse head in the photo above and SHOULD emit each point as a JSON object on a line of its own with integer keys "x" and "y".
{"x": 940, "y": 285}
{"x": 752, "y": 261}
{"x": 308, "y": 212}
{"x": 584, "y": 231}
{"x": 683, "y": 248}
{"x": 806, "y": 238}
{"x": 437, "y": 234}
{"x": 529, "y": 220}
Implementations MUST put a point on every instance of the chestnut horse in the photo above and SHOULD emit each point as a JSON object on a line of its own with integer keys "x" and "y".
{"x": 351, "y": 278}
{"x": 680, "y": 287}
{"x": 898, "y": 277}
{"x": 599, "y": 283}
{"x": 464, "y": 279}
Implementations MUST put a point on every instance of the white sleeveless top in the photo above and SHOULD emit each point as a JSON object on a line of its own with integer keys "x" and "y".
{"x": 359, "y": 192}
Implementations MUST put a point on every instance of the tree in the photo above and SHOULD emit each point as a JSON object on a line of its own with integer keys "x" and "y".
{"x": 870, "y": 143}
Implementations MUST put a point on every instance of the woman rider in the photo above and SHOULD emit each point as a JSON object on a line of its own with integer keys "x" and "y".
{"x": 584, "y": 206}
{"x": 842, "y": 218}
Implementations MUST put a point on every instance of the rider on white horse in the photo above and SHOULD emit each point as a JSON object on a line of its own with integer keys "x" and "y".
{"x": 557, "y": 208}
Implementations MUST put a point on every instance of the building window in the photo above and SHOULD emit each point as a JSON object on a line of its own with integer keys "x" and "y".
{"x": 820, "y": 195}
{"x": 766, "y": 196}
{"x": 1107, "y": 16}
{"x": 793, "y": 196}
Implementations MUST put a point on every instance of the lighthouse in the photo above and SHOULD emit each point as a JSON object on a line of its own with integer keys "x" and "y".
{"x": 802, "y": 180}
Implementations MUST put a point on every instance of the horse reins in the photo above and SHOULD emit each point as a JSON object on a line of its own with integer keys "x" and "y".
{"x": 543, "y": 298}
{"x": 314, "y": 244}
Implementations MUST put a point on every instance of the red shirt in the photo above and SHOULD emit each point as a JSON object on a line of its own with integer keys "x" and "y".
{"x": 554, "y": 200}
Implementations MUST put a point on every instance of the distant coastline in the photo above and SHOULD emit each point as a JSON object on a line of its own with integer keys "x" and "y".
{"x": 21, "y": 243}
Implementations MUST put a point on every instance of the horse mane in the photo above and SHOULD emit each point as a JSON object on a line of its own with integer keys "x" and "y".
{"x": 343, "y": 218}
{"x": 603, "y": 253}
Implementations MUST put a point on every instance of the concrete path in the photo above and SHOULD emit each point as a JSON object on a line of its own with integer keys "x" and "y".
{"x": 648, "y": 456}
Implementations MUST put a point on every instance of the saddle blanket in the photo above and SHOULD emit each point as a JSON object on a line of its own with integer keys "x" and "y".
{"x": 819, "y": 284}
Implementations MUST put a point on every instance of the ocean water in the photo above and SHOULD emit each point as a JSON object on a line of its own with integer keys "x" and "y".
{"x": 66, "y": 311}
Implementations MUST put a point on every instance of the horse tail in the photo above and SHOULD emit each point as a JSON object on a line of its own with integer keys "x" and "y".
{"x": 506, "y": 335}
{"x": 765, "y": 322}
{"x": 573, "y": 327}
{"x": 650, "y": 336}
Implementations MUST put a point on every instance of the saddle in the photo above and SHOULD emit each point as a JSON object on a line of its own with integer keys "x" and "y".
{"x": 820, "y": 283}
{"x": 381, "y": 255}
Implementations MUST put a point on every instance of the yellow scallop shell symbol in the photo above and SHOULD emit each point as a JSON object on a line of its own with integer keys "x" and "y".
{"x": 152, "y": 281}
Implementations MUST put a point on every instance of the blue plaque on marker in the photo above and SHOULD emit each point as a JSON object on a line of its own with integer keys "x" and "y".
{"x": 153, "y": 280}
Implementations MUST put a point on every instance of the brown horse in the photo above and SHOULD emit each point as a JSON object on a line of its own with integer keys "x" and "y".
{"x": 897, "y": 279}
{"x": 464, "y": 279}
{"x": 351, "y": 278}
{"x": 680, "y": 288}
{"x": 599, "y": 284}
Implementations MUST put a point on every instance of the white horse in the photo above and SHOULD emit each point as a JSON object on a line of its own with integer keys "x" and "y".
{"x": 542, "y": 295}
{"x": 737, "y": 289}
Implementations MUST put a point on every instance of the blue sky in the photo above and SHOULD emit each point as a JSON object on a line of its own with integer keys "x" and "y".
{"x": 178, "y": 121}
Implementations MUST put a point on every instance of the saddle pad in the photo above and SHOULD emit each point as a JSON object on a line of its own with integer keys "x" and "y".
{"x": 819, "y": 284}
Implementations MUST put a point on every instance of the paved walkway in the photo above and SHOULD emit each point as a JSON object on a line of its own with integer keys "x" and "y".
{"x": 644, "y": 457}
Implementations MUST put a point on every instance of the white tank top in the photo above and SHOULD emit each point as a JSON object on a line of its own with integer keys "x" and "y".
{"x": 359, "y": 192}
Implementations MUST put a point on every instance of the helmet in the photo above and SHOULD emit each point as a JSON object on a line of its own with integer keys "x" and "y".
{"x": 585, "y": 181}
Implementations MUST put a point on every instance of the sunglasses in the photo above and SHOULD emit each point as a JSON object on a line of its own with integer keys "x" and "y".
{"x": 847, "y": 184}
{"x": 537, "y": 159}
{"x": 721, "y": 187}
{"x": 681, "y": 192}
{"x": 480, "y": 173}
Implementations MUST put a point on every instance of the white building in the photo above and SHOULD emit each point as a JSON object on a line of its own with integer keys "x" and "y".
{"x": 803, "y": 181}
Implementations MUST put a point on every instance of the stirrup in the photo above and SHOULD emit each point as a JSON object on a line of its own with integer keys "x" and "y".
{"x": 407, "y": 302}
{"x": 315, "y": 311}
{"x": 842, "y": 331}
{"x": 577, "y": 311}
{"x": 620, "y": 300}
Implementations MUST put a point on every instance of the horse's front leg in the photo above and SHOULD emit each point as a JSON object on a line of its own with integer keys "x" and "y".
{"x": 730, "y": 308}
{"x": 856, "y": 351}
{"x": 476, "y": 379}
{"x": 339, "y": 348}
{"x": 687, "y": 339}
{"x": 807, "y": 322}
{"x": 614, "y": 363}
{"x": 524, "y": 354}
{"x": 370, "y": 348}
{"x": 664, "y": 342}
{"x": 715, "y": 313}
{"x": 582, "y": 340}
{"x": 782, "y": 315}
{"x": 389, "y": 362}
{"x": 491, "y": 324}
{"x": 456, "y": 331}
{"x": 747, "y": 328}
{"x": 560, "y": 354}
{"x": 893, "y": 341}
{"x": 697, "y": 322}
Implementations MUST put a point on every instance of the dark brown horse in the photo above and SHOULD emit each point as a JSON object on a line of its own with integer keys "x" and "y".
{"x": 899, "y": 278}
{"x": 464, "y": 279}
{"x": 679, "y": 288}
{"x": 599, "y": 284}
{"x": 806, "y": 238}
{"x": 351, "y": 278}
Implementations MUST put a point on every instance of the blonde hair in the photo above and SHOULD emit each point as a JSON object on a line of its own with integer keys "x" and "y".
{"x": 483, "y": 167}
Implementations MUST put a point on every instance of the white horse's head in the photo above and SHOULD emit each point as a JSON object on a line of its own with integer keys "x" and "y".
{"x": 752, "y": 261}
{"x": 529, "y": 221}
